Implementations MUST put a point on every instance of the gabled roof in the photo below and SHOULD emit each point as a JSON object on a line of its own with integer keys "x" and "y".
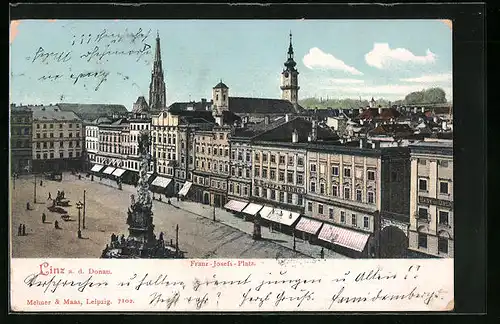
{"x": 183, "y": 106}
{"x": 372, "y": 114}
{"x": 243, "y": 105}
{"x": 52, "y": 113}
{"x": 140, "y": 105}
{"x": 283, "y": 132}
{"x": 221, "y": 85}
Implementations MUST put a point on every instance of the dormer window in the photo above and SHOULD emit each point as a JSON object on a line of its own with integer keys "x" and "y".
{"x": 216, "y": 97}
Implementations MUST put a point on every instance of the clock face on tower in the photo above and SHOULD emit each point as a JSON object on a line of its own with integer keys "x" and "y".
{"x": 286, "y": 74}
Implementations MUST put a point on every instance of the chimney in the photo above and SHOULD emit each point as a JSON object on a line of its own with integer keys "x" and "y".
{"x": 295, "y": 136}
{"x": 203, "y": 103}
{"x": 314, "y": 131}
{"x": 266, "y": 120}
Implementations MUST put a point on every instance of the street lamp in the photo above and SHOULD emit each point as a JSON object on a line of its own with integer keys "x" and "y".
{"x": 34, "y": 191}
{"x": 84, "y": 205}
{"x": 79, "y": 205}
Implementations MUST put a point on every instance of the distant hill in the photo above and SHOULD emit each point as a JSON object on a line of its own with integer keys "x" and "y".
{"x": 426, "y": 96}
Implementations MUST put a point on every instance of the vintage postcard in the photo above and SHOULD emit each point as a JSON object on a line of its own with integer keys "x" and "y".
{"x": 231, "y": 165}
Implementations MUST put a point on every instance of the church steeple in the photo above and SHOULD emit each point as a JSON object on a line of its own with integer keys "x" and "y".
{"x": 289, "y": 77}
{"x": 157, "y": 89}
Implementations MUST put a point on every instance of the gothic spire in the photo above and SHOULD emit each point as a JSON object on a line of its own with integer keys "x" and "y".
{"x": 290, "y": 48}
{"x": 290, "y": 63}
{"x": 157, "y": 91}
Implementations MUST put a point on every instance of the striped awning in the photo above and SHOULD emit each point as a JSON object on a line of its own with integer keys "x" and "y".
{"x": 109, "y": 170}
{"x": 118, "y": 172}
{"x": 235, "y": 205}
{"x": 185, "y": 188}
{"x": 161, "y": 182}
{"x": 252, "y": 209}
{"x": 344, "y": 237}
{"x": 97, "y": 168}
{"x": 308, "y": 225}
{"x": 283, "y": 216}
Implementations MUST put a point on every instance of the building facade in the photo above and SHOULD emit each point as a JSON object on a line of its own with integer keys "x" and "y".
{"x": 21, "y": 122}
{"x": 57, "y": 140}
{"x": 431, "y": 199}
{"x": 240, "y": 181}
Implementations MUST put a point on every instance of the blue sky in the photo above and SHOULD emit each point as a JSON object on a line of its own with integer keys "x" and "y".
{"x": 336, "y": 58}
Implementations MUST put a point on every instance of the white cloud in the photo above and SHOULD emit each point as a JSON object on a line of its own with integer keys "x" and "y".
{"x": 382, "y": 56}
{"x": 431, "y": 78}
{"x": 317, "y": 59}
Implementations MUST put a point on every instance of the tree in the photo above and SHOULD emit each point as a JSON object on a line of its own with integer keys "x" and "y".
{"x": 434, "y": 95}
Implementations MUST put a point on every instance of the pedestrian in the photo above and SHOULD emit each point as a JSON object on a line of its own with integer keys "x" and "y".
{"x": 24, "y": 229}
{"x": 20, "y": 230}
{"x": 56, "y": 224}
{"x": 43, "y": 218}
{"x": 161, "y": 236}
{"x": 322, "y": 253}
{"x": 28, "y": 206}
{"x": 41, "y": 183}
{"x": 50, "y": 197}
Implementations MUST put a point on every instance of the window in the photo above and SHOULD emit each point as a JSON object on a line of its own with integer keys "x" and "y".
{"x": 282, "y": 159}
{"x": 422, "y": 161}
{"x": 335, "y": 170}
{"x": 264, "y": 173}
{"x": 60, "y": 125}
{"x": 221, "y": 136}
{"x": 422, "y": 212}
{"x": 422, "y": 240}
{"x": 245, "y": 191}
{"x": 51, "y": 126}
{"x": 256, "y": 157}
{"x": 443, "y": 164}
{"x": 273, "y": 194}
{"x": 443, "y": 245}
{"x": 300, "y": 161}
{"x": 289, "y": 198}
{"x": 237, "y": 189}
{"x": 300, "y": 179}
{"x": 240, "y": 156}
{"x": 443, "y": 217}
{"x": 290, "y": 160}
{"x": 347, "y": 193}
{"x": 45, "y": 156}
{"x": 240, "y": 172}
{"x": 330, "y": 213}
{"x": 347, "y": 172}
{"x": 443, "y": 187}
{"x": 282, "y": 196}
{"x": 38, "y": 156}
{"x": 273, "y": 174}
{"x": 320, "y": 209}
{"x": 264, "y": 157}
{"x": 371, "y": 197}
{"x": 313, "y": 167}
{"x": 366, "y": 222}
{"x": 422, "y": 184}
{"x": 281, "y": 176}
{"x": 51, "y": 154}
{"x": 310, "y": 206}
{"x": 256, "y": 172}
{"x": 300, "y": 200}
{"x": 335, "y": 191}
{"x": 273, "y": 158}
{"x": 354, "y": 220}
{"x": 359, "y": 195}
{"x": 70, "y": 134}
{"x": 226, "y": 152}
{"x": 247, "y": 172}
{"x": 342, "y": 217}
{"x": 256, "y": 191}
{"x": 313, "y": 187}
{"x": 37, "y": 135}
{"x": 371, "y": 175}
{"x": 38, "y": 145}
{"x": 248, "y": 156}
{"x": 44, "y": 126}
{"x": 322, "y": 188}
{"x": 38, "y": 126}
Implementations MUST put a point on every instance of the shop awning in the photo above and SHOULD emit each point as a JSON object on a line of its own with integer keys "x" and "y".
{"x": 118, "y": 172}
{"x": 235, "y": 205}
{"x": 265, "y": 211}
{"x": 161, "y": 182}
{"x": 284, "y": 217}
{"x": 97, "y": 168}
{"x": 109, "y": 170}
{"x": 252, "y": 209}
{"x": 308, "y": 225}
{"x": 344, "y": 237}
{"x": 185, "y": 188}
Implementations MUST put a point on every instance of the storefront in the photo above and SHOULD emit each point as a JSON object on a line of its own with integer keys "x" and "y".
{"x": 251, "y": 210}
{"x": 162, "y": 185}
{"x": 236, "y": 206}
{"x": 184, "y": 192}
{"x": 281, "y": 220}
{"x": 308, "y": 229}
{"x": 345, "y": 241}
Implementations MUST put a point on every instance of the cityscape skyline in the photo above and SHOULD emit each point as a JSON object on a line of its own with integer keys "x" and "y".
{"x": 249, "y": 58}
